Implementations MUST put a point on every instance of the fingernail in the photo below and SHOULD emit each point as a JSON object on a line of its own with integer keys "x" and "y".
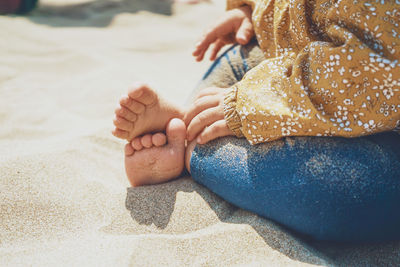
{"x": 198, "y": 140}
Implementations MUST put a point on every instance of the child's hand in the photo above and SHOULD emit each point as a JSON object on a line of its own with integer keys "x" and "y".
{"x": 205, "y": 118}
{"x": 235, "y": 26}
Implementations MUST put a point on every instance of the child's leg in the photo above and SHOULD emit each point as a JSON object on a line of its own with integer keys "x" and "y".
{"x": 150, "y": 158}
{"x": 329, "y": 188}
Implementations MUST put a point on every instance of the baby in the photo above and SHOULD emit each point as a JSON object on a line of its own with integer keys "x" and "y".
{"x": 156, "y": 129}
{"x": 331, "y": 69}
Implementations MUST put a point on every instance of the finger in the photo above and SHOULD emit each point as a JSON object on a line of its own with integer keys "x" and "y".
{"x": 201, "y": 54}
{"x": 215, "y": 130}
{"x": 245, "y": 32}
{"x": 198, "y": 48}
{"x": 209, "y": 91}
{"x": 222, "y": 28}
{"x": 217, "y": 47}
{"x": 208, "y": 38}
{"x": 200, "y": 105}
{"x": 229, "y": 38}
{"x": 201, "y": 49}
{"x": 202, "y": 120}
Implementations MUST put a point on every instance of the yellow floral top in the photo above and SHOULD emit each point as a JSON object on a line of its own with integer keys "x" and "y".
{"x": 331, "y": 69}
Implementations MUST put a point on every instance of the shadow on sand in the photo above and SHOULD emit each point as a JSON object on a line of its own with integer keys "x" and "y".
{"x": 98, "y": 13}
{"x": 155, "y": 205}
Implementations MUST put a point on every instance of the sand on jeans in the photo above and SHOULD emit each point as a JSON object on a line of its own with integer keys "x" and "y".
{"x": 64, "y": 198}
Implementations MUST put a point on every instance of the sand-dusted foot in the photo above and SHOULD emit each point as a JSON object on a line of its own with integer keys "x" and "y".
{"x": 143, "y": 111}
{"x": 157, "y": 164}
{"x": 148, "y": 140}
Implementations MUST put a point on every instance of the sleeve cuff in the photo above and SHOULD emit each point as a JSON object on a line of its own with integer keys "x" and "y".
{"x": 231, "y": 4}
{"x": 231, "y": 116}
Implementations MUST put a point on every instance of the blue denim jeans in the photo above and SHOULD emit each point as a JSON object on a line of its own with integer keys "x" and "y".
{"x": 328, "y": 188}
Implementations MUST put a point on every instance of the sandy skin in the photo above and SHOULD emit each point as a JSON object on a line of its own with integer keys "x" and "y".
{"x": 157, "y": 163}
{"x": 154, "y": 157}
{"x": 158, "y": 158}
{"x": 156, "y": 132}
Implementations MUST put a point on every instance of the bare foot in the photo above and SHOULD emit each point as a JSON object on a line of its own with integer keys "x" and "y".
{"x": 142, "y": 111}
{"x": 150, "y": 160}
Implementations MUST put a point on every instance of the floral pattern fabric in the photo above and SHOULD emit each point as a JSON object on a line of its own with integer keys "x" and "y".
{"x": 331, "y": 69}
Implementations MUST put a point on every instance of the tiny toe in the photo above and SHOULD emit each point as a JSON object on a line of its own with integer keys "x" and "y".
{"x": 137, "y": 144}
{"x": 146, "y": 141}
{"x": 159, "y": 139}
{"x": 120, "y": 133}
{"x": 126, "y": 114}
{"x": 136, "y": 90}
{"x": 132, "y": 105}
{"x": 123, "y": 124}
{"x": 129, "y": 150}
{"x": 117, "y": 110}
{"x": 143, "y": 94}
{"x": 124, "y": 99}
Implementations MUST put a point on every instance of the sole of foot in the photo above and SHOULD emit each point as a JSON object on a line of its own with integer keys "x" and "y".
{"x": 143, "y": 111}
{"x": 157, "y": 164}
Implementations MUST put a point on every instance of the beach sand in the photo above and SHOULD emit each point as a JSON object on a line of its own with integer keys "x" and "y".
{"x": 64, "y": 198}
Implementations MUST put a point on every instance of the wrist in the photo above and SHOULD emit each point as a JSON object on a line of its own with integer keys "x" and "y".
{"x": 231, "y": 116}
{"x": 246, "y": 9}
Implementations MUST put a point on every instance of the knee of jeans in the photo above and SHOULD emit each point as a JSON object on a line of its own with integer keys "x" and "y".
{"x": 358, "y": 224}
{"x": 351, "y": 211}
